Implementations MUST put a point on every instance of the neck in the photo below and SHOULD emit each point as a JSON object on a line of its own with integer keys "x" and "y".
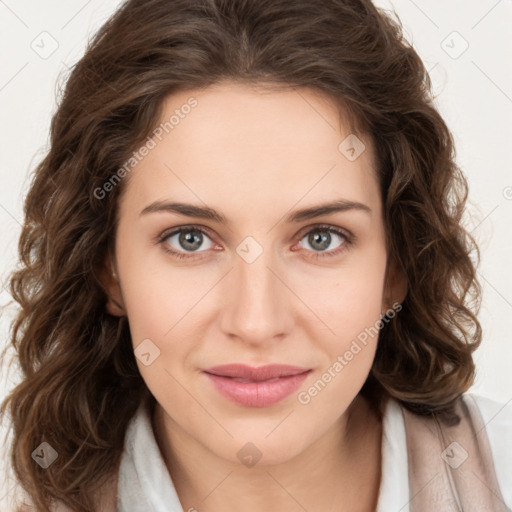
{"x": 340, "y": 471}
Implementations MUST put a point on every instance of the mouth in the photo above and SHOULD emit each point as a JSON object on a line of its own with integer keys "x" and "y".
{"x": 256, "y": 386}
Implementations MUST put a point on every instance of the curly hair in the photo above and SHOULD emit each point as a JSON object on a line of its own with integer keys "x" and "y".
{"x": 80, "y": 382}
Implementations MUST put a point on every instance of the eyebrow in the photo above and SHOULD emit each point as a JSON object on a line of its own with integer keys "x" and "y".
{"x": 204, "y": 212}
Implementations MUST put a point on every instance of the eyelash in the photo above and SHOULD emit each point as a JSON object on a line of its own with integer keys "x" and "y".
{"x": 349, "y": 239}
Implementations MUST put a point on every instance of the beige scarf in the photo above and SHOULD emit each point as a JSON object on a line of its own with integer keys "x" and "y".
{"x": 451, "y": 467}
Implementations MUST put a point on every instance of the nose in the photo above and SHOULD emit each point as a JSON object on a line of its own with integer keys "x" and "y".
{"x": 258, "y": 304}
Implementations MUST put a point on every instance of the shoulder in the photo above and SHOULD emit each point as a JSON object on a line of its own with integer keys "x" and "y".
{"x": 27, "y": 505}
{"x": 497, "y": 423}
{"x": 497, "y": 415}
{"x": 497, "y": 418}
{"x": 410, "y": 438}
{"x": 105, "y": 499}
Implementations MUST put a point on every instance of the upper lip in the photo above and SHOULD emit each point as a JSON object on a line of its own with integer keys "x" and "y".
{"x": 259, "y": 373}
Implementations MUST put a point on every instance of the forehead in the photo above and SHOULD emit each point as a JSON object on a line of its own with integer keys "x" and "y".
{"x": 241, "y": 145}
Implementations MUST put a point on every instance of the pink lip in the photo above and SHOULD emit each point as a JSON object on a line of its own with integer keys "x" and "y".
{"x": 256, "y": 387}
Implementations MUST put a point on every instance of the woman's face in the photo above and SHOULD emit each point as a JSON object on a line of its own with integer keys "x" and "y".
{"x": 260, "y": 281}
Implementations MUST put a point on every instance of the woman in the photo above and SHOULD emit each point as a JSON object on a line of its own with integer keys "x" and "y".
{"x": 316, "y": 352}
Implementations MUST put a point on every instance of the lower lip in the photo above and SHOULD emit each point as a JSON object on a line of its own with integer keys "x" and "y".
{"x": 257, "y": 394}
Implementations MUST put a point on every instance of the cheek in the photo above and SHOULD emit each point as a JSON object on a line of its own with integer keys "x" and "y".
{"x": 162, "y": 323}
{"x": 160, "y": 300}
{"x": 348, "y": 300}
{"x": 348, "y": 306}
{"x": 355, "y": 314}
{"x": 167, "y": 319}
{"x": 349, "y": 343}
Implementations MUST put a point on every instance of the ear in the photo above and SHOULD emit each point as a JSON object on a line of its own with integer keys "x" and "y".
{"x": 395, "y": 286}
{"x": 110, "y": 281}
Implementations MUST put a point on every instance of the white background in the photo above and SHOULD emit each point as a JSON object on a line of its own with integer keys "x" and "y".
{"x": 474, "y": 94}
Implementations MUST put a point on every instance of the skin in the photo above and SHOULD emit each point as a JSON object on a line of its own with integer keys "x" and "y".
{"x": 255, "y": 156}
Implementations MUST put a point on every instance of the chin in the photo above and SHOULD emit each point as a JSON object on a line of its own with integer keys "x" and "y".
{"x": 261, "y": 449}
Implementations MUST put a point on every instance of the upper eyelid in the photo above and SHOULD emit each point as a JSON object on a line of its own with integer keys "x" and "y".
{"x": 188, "y": 227}
{"x": 327, "y": 227}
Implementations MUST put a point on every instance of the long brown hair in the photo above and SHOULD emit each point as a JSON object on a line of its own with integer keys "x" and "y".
{"x": 81, "y": 384}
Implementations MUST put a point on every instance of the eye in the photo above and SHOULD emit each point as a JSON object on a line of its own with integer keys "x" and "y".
{"x": 184, "y": 240}
{"x": 321, "y": 238}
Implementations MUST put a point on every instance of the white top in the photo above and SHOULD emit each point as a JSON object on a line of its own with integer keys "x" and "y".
{"x": 145, "y": 485}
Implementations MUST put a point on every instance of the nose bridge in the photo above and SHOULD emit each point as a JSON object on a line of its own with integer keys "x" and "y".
{"x": 256, "y": 307}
